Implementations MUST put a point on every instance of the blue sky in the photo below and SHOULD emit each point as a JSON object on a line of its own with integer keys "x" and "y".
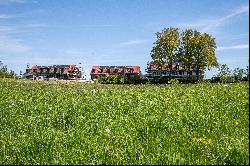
{"x": 115, "y": 32}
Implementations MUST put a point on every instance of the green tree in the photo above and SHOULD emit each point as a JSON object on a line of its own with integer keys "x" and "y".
{"x": 166, "y": 47}
{"x": 247, "y": 72}
{"x": 225, "y": 74}
{"x": 224, "y": 70}
{"x": 4, "y": 73}
{"x": 238, "y": 73}
{"x": 186, "y": 53}
{"x": 197, "y": 51}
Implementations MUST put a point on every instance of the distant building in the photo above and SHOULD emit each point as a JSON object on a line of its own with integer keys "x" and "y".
{"x": 179, "y": 71}
{"x": 129, "y": 71}
{"x": 65, "y": 72}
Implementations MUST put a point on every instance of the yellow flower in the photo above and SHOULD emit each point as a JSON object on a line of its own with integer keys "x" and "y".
{"x": 207, "y": 141}
{"x": 202, "y": 141}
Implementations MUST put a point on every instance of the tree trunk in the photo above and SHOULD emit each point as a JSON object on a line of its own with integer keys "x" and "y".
{"x": 197, "y": 71}
{"x": 170, "y": 69}
{"x": 189, "y": 71}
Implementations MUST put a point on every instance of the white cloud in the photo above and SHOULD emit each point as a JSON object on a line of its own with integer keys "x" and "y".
{"x": 83, "y": 26}
{"x": 18, "y": 29}
{"x": 33, "y": 25}
{"x": 5, "y": 28}
{"x": 10, "y": 45}
{"x": 243, "y": 9}
{"x": 4, "y": 16}
{"x": 242, "y": 46}
{"x": 134, "y": 42}
{"x": 236, "y": 36}
{"x": 209, "y": 25}
{"x": 7, "y": 2}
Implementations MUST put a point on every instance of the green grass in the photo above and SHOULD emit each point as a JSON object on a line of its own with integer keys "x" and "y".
{"x": 74, "y": 123}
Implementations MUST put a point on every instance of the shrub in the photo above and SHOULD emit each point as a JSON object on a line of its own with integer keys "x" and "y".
{"x": 173, "y": 81}
{"x": 228, "y": 79}
{"x": 137, "y": 80}
{"x": 238, "y": 74}
{"x": 192, "y": 79}
{"x": 113, "y": 79}
{"x": 4, "y": 73}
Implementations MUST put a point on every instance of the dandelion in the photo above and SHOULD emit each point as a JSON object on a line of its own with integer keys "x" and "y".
{"x": 202, "y": 141}
{"x": 207, "y": 141}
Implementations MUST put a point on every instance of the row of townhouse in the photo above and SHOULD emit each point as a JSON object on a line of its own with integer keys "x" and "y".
{"x": 73, "y": 72}
{"x": 64, "y": 72}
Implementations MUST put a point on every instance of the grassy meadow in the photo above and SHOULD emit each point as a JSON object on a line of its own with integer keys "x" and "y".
{"x": 45, "y": 122}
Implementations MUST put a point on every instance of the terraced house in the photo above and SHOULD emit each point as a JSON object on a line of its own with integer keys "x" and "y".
{"x": 179, "y": 71}
{"x": 64, "y": 72}
{"x": 102, "y": 71}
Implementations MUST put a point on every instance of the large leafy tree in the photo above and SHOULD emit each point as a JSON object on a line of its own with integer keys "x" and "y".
{"x": 4, "y": 73}
{"x": 247, "y": 72}
{"x": 205, "y": 56}
{"x": 186, "y": 53}
{"x": 224, "y": 71}
{"x": 166, "y": 47}
{"x": 197, "y": 50}
{"x": 238, "y": 73}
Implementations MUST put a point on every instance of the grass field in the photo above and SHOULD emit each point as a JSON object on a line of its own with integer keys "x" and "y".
{"x": 74, "y": 123}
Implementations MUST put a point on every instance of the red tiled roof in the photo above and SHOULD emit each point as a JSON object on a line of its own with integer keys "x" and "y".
{"x": 104, "y": 69}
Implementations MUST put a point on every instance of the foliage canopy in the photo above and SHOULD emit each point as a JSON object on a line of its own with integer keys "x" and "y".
{"x": 193, "y": 48}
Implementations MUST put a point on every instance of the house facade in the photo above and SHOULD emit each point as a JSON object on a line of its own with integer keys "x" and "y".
{"x": 179, "y": 71}
{"x": 63, "y": 72}
{"x": 129, "y": 71}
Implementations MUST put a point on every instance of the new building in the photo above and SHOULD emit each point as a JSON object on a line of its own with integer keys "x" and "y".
{"x": 179, "y": 71}
{"x": 64, "y": 72}
{"x": 129, "y": 71}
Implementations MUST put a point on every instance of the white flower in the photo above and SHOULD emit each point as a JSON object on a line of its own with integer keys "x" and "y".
{"x": 107, "y": 130}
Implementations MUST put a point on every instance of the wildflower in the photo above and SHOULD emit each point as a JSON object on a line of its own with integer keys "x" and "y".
{"x": 203, "y": 141}
{"x": 207, "y": 141}
{"x": 107, "y": 130}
